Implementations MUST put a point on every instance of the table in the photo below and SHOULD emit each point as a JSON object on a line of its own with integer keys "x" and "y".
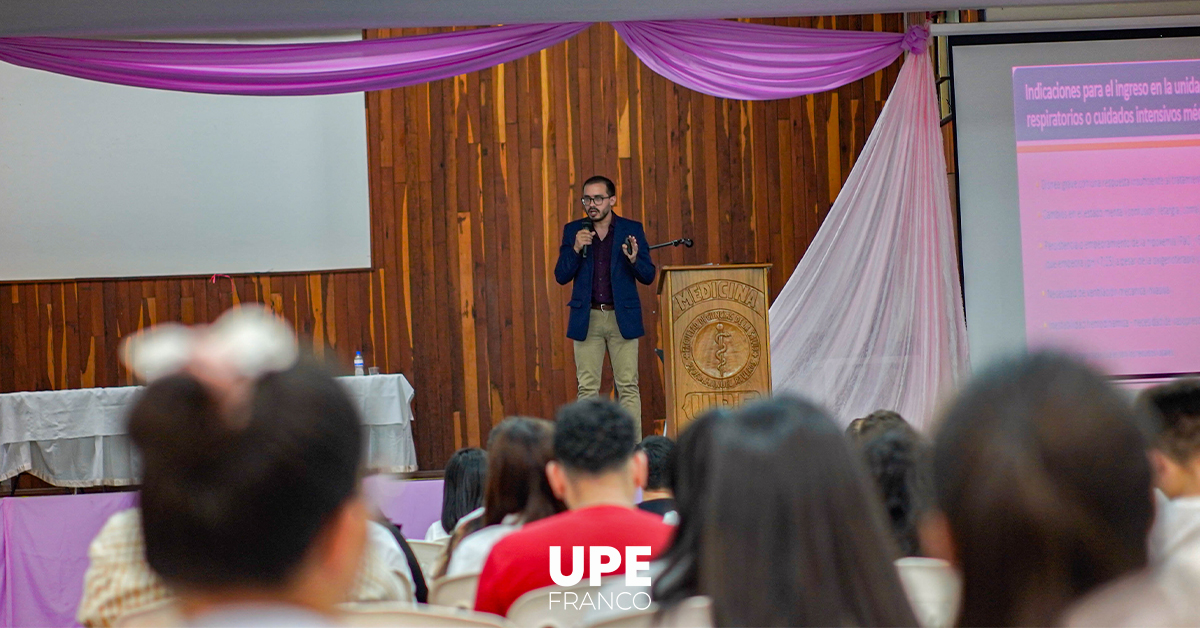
{"x": 78, "y": 438}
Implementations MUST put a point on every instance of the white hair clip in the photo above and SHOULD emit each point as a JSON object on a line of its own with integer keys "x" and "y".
{"x": 246, "y": 342}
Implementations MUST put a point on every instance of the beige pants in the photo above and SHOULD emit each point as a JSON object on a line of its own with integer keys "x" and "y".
{"x": 603, "y": 334}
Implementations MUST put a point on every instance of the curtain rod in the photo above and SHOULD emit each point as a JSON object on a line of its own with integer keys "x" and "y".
{"x": 1050, "y": 26}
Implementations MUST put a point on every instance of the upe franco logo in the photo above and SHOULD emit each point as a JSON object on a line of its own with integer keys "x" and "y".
{"x": 601, "y": 560}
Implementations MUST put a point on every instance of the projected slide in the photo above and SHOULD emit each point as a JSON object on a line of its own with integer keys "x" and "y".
{"x": 1108, "y": 164}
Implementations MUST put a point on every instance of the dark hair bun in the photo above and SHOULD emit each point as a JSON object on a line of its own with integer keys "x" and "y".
{"x": 238, "y": 503}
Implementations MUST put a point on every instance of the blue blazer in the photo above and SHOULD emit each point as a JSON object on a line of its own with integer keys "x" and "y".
{"x": 572, "y": 267}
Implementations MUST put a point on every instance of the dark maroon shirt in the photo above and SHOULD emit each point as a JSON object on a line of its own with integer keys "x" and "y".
{"x": 602, "y": 252}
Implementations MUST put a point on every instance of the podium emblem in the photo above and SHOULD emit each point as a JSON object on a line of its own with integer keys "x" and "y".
{"x": 720, "y": 349}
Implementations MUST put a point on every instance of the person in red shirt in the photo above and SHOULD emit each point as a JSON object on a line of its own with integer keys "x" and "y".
{"x": 596, "y": 474}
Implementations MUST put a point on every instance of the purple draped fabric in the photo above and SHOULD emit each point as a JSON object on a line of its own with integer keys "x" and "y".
{"x": 43, "y": 554}
{"x": 717, "y": 57}
{"x": 286, "y": 69}
{"x": 756, "y": 61}
{"x": 44, "y": 543}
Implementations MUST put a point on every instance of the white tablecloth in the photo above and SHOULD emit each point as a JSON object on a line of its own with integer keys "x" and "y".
{"x": 78, "y": 437}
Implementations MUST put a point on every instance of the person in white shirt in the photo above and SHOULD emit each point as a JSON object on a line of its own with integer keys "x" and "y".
{"x": 1175, "y": 457}
{"x": 436, "y": 532}
{"x": 517, "y": 491}
{"x": 462, "y": 491}
{"x": 119, "y": 581}
{"x": 897, "y": 459}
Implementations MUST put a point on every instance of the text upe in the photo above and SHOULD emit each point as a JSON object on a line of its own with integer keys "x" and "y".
{"x": 602, "y": 560}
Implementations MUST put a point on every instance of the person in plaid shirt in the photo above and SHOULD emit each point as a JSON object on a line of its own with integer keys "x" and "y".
{"x": 119, "y": 581}
{"x": 251, "y": 509}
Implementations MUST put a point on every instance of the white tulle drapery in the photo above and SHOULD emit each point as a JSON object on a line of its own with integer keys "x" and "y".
{"x": 872, "y": 316}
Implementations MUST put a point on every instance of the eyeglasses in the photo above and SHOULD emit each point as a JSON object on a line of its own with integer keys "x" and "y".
{"x": 594, "y": 200}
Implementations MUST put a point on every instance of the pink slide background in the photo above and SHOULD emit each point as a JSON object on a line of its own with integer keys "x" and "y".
{"x": 1153, "y": 325}
{"x": 1110, "y": 213}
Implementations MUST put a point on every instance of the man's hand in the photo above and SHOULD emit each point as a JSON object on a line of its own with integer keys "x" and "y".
{"x": 630, "y": 249}
{"x": 583, "y": 238}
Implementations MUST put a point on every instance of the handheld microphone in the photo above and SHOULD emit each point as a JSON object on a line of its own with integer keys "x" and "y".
{"x": 587, "y": 224}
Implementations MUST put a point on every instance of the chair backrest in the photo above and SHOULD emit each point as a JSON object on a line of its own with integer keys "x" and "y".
{"x": 551, "y": 607}
{"x": 428, "y": 553}
{"x": 631, "y": 619}
{"x": 406, "y": 590}
{"x": 933, "y": 589}
{"x": 161, "y": 614}
{"x": 694, "y": 612}
{"x": 455, "y": 591}
{"x": 408, "y": 615}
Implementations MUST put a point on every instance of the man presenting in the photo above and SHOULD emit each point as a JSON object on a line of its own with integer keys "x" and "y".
{"x": 603, "y": 254}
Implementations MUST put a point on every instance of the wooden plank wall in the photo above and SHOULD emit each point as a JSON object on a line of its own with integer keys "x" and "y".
{"x": 472, "y": 179}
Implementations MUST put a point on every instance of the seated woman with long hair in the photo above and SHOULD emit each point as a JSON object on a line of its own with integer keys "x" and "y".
{"x": 462, "y": 492}
{"x": 1044, "y": 489}
{"x": 689, "y": 478}
{"x": 517, "y": 491}
{"x": 250, "y": 504}
{"x": 794, "y": 534}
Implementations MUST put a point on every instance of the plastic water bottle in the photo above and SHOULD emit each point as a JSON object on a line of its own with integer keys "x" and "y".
{"x": 358, "y": 363}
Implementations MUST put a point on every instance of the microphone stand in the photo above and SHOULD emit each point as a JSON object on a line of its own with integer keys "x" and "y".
{"x": 684, "y": 241}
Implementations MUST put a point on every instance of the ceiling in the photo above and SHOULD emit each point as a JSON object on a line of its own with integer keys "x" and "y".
{"x": 113, "y": 18}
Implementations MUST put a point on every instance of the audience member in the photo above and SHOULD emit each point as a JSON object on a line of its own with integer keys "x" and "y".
{"x": 794, "y": 534}
{"x": 680, "y": 572}
{"x": 517, "y": 490}
{"x": 1044, "y": 489}
{"x": 673, "y": 575}
{"x": 1175, "y": 456}
{"x": 250, "y": 468}
{"x": 898, "y": 460}
{"x": 879, "y": 420}
{"x": 462, "y": 491}
{"x": 596, "y": 473}
{"x": 657, "y": 496}
{"x": 250, "y": 506}
{"x": 119, "y": 581}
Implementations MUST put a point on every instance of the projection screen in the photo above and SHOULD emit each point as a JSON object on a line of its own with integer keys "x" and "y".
{"x": 1079, "y": 196}
{"x": 100, "y": 180}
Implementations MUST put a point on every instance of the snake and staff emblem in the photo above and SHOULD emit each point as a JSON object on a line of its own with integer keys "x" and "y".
{"x": 722, "y": 337}
{"x": 720, "y": 349}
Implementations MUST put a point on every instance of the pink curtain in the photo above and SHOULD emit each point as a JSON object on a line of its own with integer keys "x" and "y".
{"x": 872, "y": 317}
{"x": 717, "y": 57}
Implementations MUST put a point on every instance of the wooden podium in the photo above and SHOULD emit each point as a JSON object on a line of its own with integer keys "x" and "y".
{"x": 715, "y": 338}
